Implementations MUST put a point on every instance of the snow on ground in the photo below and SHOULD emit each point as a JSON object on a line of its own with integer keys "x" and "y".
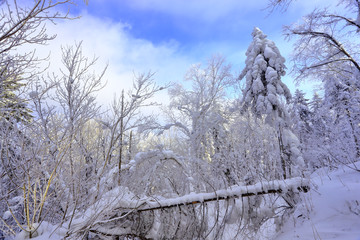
{"x": 331, "y": 210}
{"x": 46, "y": 231}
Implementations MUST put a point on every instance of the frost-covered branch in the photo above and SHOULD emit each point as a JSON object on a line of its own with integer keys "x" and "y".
{"x": 313, "y": 34}
{"x": 324, "y": 42}
{"x": 279, "y": 4}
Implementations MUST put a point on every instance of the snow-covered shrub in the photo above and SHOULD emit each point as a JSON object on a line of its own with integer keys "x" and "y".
{"x": 157, "y": 172}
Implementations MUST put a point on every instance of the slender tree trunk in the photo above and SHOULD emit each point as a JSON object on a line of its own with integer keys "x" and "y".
{"x": 356, "y": 141}
{"x": 121, "y": 134}
{"x": 282, "y": 153}
{"x": 130, "y": 145}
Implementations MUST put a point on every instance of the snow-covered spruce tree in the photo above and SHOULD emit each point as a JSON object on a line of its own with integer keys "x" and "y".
{"x": 301, "y": 114}
{"x": 13, "y": 106}
{"x": 301, "y": 118}
{"x": 262, "y": 94}
{"x": 319, "y": 137}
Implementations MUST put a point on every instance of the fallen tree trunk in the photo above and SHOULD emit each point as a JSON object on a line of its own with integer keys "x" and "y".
{"x": 273, "y": 191}
{"x": 277, "y": 186}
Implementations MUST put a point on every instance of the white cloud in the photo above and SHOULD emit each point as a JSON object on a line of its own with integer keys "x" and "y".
{"x": 113, "y": 44}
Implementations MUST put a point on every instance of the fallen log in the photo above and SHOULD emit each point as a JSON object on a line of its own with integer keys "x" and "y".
{"x": 271, "y": 187}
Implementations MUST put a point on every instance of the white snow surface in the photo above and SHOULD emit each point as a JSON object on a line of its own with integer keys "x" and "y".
{"x": 331, "y": 210}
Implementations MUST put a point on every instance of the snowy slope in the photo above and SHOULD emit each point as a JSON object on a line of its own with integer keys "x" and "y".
{"x": 330, "y": 211}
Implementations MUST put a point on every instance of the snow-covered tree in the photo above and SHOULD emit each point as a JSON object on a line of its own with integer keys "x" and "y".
{"x": 301, "y": 112}
{"x": 263, "y": 71}
{"x": 127, "y": 117}
{"x": 317, "y": 142}
{"x": 196, "y": 105}
{"x": 324, "y": 44}
{"x": 301, "y": 117}
{"x": 199, "y": 113}
{"x": 76, "y": 86}
{"x": 313, "y": 123}
{"x": 22, "y": 24}
{"x": 23, "y": 148}
{"x": 13, "y": 104}
{"x": 263, "y": 92}
{"x": 327, "y": 50}
{"x": 342, "y": 96}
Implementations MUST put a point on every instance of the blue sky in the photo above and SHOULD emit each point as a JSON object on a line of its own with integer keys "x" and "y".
{"x": 190, "y": 24}
{"x": 167, "y": 36}
{"x": 198, "y": 27}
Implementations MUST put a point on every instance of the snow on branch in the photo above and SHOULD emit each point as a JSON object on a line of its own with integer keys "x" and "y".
{"x": 296, "y": 184}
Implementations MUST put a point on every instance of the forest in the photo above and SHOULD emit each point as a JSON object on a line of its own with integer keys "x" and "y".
{"x": 228, "y": 157}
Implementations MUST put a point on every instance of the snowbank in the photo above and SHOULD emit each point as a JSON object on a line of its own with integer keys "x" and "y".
{"x": 330, "y": 211}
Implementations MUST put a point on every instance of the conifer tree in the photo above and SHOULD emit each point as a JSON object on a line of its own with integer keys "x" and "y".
{"x": 13, "y": 107}
{"x": 321, "y": 124}
{"x": 263, "y": 92}
{"x": 301, "y": 115}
